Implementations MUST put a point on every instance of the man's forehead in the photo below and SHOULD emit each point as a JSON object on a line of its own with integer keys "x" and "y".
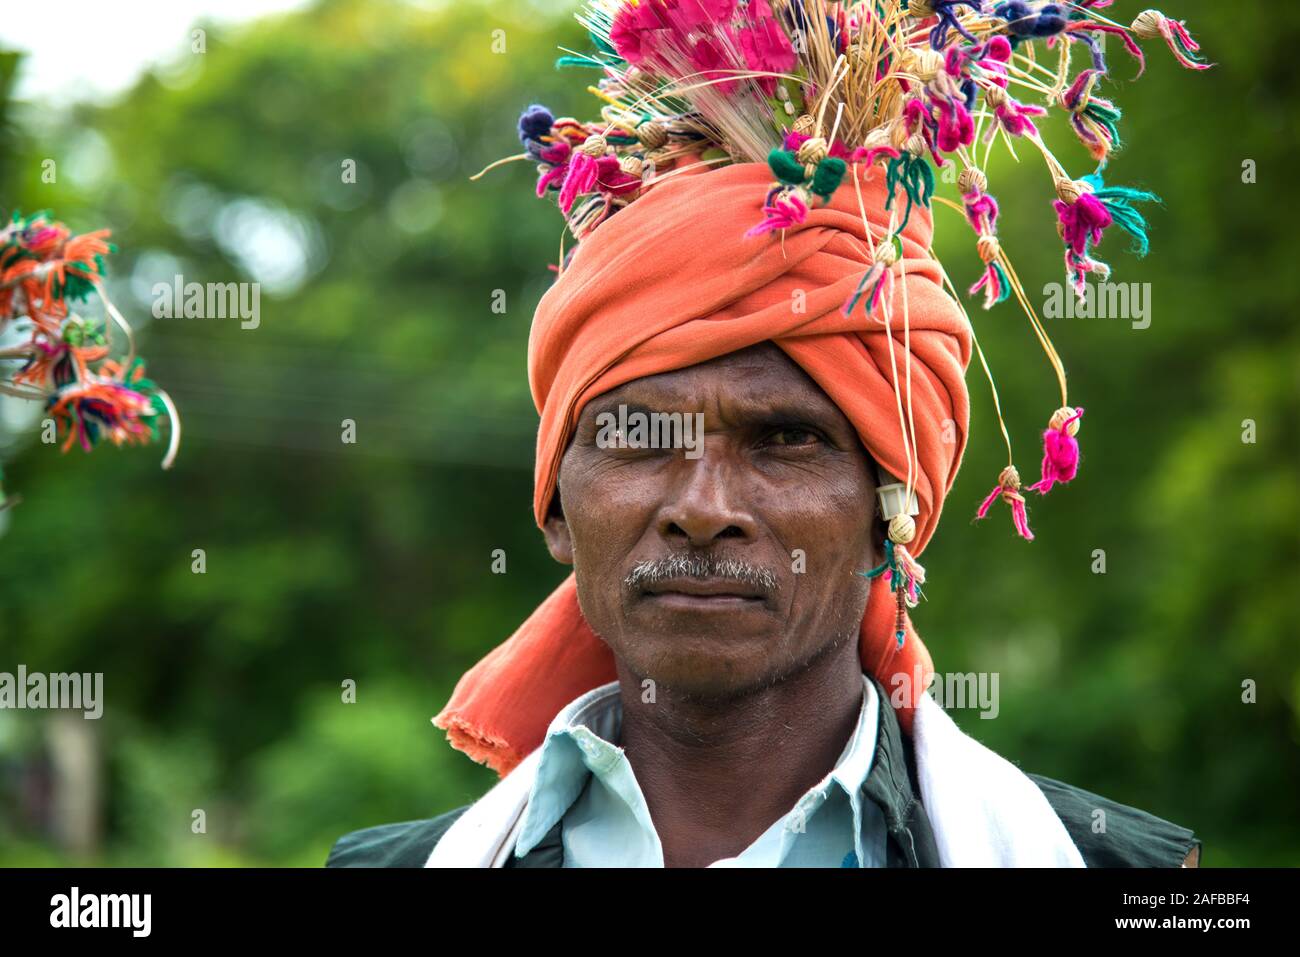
{"x": 760, "y": 376}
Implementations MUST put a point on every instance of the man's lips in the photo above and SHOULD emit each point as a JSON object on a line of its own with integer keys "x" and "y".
{"x": 703, "y": 593}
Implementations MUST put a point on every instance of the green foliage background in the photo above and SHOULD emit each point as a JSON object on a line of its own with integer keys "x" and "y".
{"x": 371, "y": 561}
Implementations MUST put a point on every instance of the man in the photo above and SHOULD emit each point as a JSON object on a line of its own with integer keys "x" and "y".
{"x": 719, "y": 683}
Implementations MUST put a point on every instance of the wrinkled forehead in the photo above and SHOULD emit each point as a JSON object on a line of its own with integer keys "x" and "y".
{"x": 759, "y": 379}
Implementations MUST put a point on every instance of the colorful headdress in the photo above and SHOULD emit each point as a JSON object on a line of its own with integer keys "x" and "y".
{"x": 66, "y": 361}
{"x": 812, "y": 88}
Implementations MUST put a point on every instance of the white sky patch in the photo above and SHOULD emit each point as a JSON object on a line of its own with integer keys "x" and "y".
{"x": 93, "y": 50}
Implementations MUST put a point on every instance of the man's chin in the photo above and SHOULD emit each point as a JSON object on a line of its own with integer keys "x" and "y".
{"x": 704, "y": 660}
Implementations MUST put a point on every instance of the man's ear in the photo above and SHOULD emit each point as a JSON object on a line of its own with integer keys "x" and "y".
{"x": 879, "y": 529}
{"x": 556, "y": 530}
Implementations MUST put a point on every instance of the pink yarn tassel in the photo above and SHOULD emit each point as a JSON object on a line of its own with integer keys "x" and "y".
{"x": 885, "y": 284}
{"x": 1060, "y": 452}
{"x": 1130, "y": 44}
{"x": 956, "y": 127}
{"x": 581, "y": 178}
{"x": 557, "y": 156}
{"x": 1020, "y": 518}
{"x": 1082, "y": 221}
{"x": 991, "y": 283}
{"x": 875, "y": 285}
{"x": 1008, "y": 489}
{"x": 1077, "y": 269}
{"x": 869, "y": 155}
{"x": 781, "y": 212}
{"x": 1014, "y": 117}
{"x": 912, "y": 571}
{"x": 1172, "y": 29}
{"x": 988, "y": 502}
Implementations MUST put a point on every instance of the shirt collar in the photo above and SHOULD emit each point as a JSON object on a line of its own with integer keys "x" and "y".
{"x": 580, "y": 736}
{"x": 582, "y": 740}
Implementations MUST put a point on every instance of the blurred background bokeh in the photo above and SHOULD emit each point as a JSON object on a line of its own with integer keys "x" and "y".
{"x": 372, "y": 561}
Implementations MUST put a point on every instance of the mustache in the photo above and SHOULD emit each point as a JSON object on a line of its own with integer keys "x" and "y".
{"x": 705, "y": 566}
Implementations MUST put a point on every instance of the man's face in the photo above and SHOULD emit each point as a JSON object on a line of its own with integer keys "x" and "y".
{"x": 718, "y": 573}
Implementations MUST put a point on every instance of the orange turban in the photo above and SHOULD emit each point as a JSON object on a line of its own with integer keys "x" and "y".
{"x": 670, "y": 282}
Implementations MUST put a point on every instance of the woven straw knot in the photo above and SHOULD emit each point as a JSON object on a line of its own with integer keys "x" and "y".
{"x": 1059, "y": 418}
{"x": 902, "y": 529}
{"x": 651, "y": 135}
{"x": 988, "y": 248}
{"x": 915, "y": 144}
{"x": 632, "y": 166}
{"x": 920, "y": 8}
{"x": 885, "y": 254}
{"x": 876, "y": 138}
{"x": 995, "y": 96}
{"x": 928, "y": 65}
{"x": 972, "y": 180}
{"x": 1009, "y": 480}
{"x": 1069, "y": 190}
{"x": 804, "y": 125}
{"x": 594, "y": 145}
{"x": 1147, "y": 24}
{"x": 923, "y": 63}
{"x": 812, "y": 151}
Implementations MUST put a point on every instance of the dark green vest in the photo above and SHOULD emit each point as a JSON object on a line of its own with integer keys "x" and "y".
{"x": 1132, "y": 838}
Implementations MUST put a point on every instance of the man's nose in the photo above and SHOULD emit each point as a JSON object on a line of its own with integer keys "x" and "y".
{"x": 706, "y": 501}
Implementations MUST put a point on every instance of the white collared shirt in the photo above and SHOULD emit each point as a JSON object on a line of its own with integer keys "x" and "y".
{"x": 585, "y": 779}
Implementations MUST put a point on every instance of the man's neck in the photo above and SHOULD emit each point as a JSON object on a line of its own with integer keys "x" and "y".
{"x": 716, "y": 775}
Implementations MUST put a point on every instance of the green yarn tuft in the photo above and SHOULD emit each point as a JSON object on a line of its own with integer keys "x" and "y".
{"x": 1118, "y": 201}
{"x": 605, "y": 56}
{"x": 603, "y": 45}
{"x": 830, "y": 173}
{"x": 1108, "y": 115}
{"x": 1004, "y": 284}
{"x": 917, "y": 179}
{"x": 886, "y": 565}
{"x": 585, "y": 62}
{"x": 786, "y": 167}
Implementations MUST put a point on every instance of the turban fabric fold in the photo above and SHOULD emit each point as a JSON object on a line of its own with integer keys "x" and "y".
{"x": 670, "y": 282}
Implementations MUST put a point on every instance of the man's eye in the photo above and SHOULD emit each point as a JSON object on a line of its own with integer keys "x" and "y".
{"x": 792, "y": 437}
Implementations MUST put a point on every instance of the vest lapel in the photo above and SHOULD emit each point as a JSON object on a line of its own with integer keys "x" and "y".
{"x": 986, "y": 811}
{"x": 549, "y": 851}
{"x": 890, "y": 785}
